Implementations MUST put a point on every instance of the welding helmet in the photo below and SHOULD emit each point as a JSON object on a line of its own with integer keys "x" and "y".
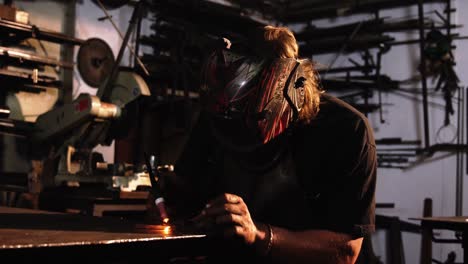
{"x": 251, "y": 100}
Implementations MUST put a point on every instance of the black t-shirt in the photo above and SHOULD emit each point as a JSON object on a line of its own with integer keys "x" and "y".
{"x": 317, "y": 176}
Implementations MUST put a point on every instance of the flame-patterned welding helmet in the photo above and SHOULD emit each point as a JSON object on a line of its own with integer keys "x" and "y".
{"x": 251, "y": 99}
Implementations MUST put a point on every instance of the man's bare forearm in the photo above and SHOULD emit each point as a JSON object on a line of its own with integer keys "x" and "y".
{"x": 310, "y": 246}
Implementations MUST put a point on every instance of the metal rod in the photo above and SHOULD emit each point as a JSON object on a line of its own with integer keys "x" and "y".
{"x": 423, "y": 74}
{"x": 463, "y": 121}
{"x": 38, "y": 33}
{"x": 448, "y": 17}
{"x": 105, "y": 93}
{"x": 304, "y": 10}
{"x": 392, "y": 167}
{"x": 466, "y": 136}
{"x": 108, "y": 16}
{"x": 401, "y": 149}
{"x": 344, "y": 46}
{"x": 457, "y": 161}
{"x": 459, "y": 172}
{"x": 416, "y": 41}
{"x": 4, "y": 112}
{"x": 347, "y": 69}
{"x": 137, "y": 45}
{"x": 25, "y": 56}
{"x": 378, "y": 84}
{"x": 396, "y": 141}
{"x": 67, "y": 53}
{"x": 396, "y": 154}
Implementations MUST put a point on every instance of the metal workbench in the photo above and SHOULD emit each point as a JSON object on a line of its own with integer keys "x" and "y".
{"x": 32, "y": 235}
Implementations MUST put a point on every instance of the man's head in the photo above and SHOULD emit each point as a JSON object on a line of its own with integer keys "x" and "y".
{"x": 280, "y": 41}
{"x": 253, "y": 99}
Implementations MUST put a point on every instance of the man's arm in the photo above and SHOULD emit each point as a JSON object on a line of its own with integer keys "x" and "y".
{"x": 278, "y": 244}
{"x": 319, "y": 246}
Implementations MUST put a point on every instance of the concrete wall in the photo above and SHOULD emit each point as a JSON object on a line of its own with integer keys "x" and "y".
{"x": 428, "y": 177}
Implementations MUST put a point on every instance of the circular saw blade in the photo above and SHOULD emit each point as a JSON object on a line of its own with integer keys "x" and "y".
{"x": 95, "y": 61}
{"x": 112, "y": 4}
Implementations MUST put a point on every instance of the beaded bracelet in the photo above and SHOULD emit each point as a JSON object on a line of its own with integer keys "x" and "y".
{"x": 270, "y": 240}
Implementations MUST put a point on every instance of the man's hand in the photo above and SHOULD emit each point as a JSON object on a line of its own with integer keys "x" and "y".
{"x": 227, "y": 43}
{"x": 230, "y": 214}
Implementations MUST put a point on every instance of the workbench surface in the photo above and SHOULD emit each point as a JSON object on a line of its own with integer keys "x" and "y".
{"x": 29, "y": 233}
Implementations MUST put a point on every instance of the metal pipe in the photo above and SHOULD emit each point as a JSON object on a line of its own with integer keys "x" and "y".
{"x": 466, "y": 149}
{"x": 423, "y": 74}
{"x": 449, "y": 17}
{"x": 136, "y": 56}
{"x": 300, "y": 11}
{"x": 417, "y": 41}
{"x": 105, "y": 93}
{"x": 378, "y": 84}
{"x": 463, "y": 120}
{"x": 457, "y": 160}
{"x": 347, "y": 69}
{"x": 396, "y": 155}
{"x": 459, "y": 172}
{"x": 375, "y": 26}
{"x": 132, "y": 51}
{"x": 396, "y": 141}
{"x": 4, "y": 112}
{"x": 67, "y": 52}
{"x": 345, "y": 44}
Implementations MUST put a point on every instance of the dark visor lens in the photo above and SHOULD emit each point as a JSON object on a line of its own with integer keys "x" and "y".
{"x": 228, "y": 79}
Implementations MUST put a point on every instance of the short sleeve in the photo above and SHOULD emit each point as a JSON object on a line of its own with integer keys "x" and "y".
{"x": 350, "y": 197}
{"x": 337, "y": 169}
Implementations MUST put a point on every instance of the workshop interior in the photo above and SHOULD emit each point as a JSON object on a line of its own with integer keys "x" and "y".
{"x": 97, "y": 96}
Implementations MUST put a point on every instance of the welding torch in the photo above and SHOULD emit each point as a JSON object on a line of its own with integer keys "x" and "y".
{"x": 155, "y": 188}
